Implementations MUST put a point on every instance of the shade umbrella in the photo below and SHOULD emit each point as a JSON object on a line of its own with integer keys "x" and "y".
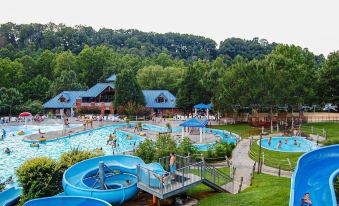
{"x": 25, "y": 114}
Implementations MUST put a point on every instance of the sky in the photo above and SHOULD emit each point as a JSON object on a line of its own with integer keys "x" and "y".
{"x": 311, "y": 24}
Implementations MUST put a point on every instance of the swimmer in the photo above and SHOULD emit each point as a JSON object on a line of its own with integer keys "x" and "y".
{"x": 286, "y": 140}
{"x": 279, "y": 144}
{"x": 295, "y": 142}
{"x": 10, "y": 180}
{"x": 128, "y": 182}
{"x": 269, "y": 140}
{"x": 7, "y": 150}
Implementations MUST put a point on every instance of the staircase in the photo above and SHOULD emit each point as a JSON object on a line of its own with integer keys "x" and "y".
{"x": 189, "y": 174}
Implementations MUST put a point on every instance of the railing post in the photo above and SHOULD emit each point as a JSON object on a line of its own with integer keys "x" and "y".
{"x": 138, "y": 175}
{"x": 240, "y": 186}
{"x": 149, "y": 177}
{"x": 279, "y": 171}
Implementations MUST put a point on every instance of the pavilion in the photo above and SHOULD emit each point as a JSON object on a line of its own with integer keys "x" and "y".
{"x": 194, "y": 123}
{"x": 202, "y": 106}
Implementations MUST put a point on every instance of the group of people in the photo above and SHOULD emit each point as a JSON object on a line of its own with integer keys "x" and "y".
{"x": 112, "y": 140}
{"x": 3, "y": 135}
{"x": 269, "y": 142}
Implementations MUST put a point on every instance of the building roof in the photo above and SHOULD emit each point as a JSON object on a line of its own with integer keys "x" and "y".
{"x": 194, "y": 123}
{"x": 70, "y": 97}
{"x": 202, "y": 106}
{"x": 151, "y": 95}
{"x": 112, "y": 78}
{"x": 97, "y": 89}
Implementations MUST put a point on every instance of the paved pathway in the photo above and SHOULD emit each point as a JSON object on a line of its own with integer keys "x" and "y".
{"x": 244, "y": 166}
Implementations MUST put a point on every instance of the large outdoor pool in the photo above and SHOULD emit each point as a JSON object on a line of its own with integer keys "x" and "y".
{"x": 89, "y": 140}
{"x": 289, "y": 144}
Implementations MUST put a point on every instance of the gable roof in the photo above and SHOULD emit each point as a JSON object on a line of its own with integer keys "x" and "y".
{"x": 97, "y": 89}
{"x": 71, "y": 97}
{"x": 112, "y": 78}
{"x": 151, "y": 95}
{"x": 194, "y": 123}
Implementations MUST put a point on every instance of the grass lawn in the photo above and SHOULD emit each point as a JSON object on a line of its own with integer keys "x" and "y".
{"x": 274, "y": 159}
{"x": 266, "y": 190}
{"x": 235, "y": 128}
{"x": 332, "y": 129}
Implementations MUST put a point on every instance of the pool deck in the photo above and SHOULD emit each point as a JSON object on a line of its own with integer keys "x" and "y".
{"x": 207, "y": 138}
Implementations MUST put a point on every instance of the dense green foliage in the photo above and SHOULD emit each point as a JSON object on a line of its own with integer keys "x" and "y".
{"x": 39, "y": 177}
{"x": 127, "y": 90}
{"x": 42, "y": 177}
{"x": 40, "y": 60}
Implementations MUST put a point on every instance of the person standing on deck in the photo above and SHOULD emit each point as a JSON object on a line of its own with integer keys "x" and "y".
{"x": 172, "y": 165}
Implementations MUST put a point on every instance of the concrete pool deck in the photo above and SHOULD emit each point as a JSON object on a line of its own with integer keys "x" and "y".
{"x": 207, "y": 138}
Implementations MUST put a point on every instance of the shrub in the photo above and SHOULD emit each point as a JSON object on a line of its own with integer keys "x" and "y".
{"x": 331, "y": 142}
{"x": 146, "y": 151}
{"x": 39, "y": 177}
{"x": 164, "y": 146}
{"x": 186, "y": 147}
{"x": 132, "y": 109}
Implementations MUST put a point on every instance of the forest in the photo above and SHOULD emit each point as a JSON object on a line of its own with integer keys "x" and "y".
{"x": 38, "y": 61}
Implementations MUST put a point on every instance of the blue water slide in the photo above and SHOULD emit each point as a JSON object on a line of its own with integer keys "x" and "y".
{"x": 315, "y": 173}
{"x": 67, "y": 201}
{"x": 77, "y": 179}
{"x": 10, "y": 196}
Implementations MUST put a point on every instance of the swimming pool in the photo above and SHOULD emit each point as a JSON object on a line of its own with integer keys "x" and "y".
{"x": 89, "y": 140}
{"x": 293, "y": 144}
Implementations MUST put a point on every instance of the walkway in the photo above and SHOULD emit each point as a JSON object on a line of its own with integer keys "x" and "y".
{"x": 244, "y": 166}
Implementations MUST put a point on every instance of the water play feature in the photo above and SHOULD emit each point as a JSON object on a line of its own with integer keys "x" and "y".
{"x": 288, "y": 144}
{"x": 315, "y": 173}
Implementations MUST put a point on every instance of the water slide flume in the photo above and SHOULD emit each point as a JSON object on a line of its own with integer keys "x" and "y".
{"x": 120, "y": 182}
{"x": 67, "y": 201}
{"x": 10, "y": 196}
{"x": 315, "y": 173}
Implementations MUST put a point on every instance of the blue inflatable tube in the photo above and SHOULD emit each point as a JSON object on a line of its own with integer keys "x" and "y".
{"x": 314, "y": 174}
{"x": 67, "y": 201}
{"x": 76, "y": 181}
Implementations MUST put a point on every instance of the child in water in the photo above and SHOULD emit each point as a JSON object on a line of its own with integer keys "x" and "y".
{"x": 279, "y": 144}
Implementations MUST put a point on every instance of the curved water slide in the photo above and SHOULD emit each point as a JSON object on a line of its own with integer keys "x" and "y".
{"x": 80, "y": 179}
{"x": 67, "y": 201}
{"x": 10, "y": 196}
{"x": 315, "y": 173}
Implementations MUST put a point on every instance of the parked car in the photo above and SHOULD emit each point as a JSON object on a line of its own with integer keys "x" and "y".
{"x": 330, "y": 108}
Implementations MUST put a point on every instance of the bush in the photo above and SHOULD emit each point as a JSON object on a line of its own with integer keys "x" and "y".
{"x": 132, "y": 109}
{"x": 331, "y": 142}
{"x": 74, "y": 156}
{"x": 42, "y": 177}
{"x": 164, "y": 146}
{"x": 90, "y": 110}
{"x": 146, "y": 151}
{"x": 39, "y": 177}
{"x": 186, "y": 147}
{"x": 220, "y": 149}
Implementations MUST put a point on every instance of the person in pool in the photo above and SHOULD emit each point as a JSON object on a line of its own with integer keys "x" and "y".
{"x": 286, "y": 140}
{"x": 128, "y": 182}
{"x": 7, "y": 150}
{"x": 306, "y": 201}
{"x": 269, "y": 141}
{"x": 295, "y": 142}
{"x": 279, "y": 144}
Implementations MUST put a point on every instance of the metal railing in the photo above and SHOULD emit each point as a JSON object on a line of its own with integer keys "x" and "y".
{"x": 180, "y": 161}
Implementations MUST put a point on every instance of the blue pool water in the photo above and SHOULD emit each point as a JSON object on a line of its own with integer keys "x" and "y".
{"x": 303, "y": 145}
{"x": 89, "y": 140}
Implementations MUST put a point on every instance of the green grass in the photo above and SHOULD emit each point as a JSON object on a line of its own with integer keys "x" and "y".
{"x": 235, "y": 128}
{"x": 266, "y": 190}
{"x": 332, "y": 129}
{"x": 274, "y": 159}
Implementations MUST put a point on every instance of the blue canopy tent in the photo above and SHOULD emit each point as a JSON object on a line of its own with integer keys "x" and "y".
{"x": 195, "y": 123}
{"x": 202, "y": 106}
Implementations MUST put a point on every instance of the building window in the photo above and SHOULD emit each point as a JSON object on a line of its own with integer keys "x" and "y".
{"x": 161, "y": 99}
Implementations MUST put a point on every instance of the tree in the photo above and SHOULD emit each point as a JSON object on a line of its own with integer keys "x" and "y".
{"x": 191, "y": 91}
{"x": 157, "y": 77}
{"x": 127, "y": 90}
{"x": 45, "y": 64}
{"x": 34, "y": 107}
{"x": 66, "y": 82}
{"x": 9, "y": 98}
{"x": 36, "y": 89}
{"x": 329, "y": 79}
{"x": 65, "y": 61}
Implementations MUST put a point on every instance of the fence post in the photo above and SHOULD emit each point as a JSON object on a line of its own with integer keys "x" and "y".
{"x": 324, "y": 132}
{"x": 252, "y": 175}
{"x": 279, "y": 171}
{"x": 253, "y": 169}
{"x": 240, "y": 186}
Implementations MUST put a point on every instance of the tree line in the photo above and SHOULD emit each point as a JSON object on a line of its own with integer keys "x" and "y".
{"x": 39, "y": 61}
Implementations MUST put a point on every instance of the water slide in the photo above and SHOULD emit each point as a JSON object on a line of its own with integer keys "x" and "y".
{"x": 10, "y": 196}
{"x": 120, "y": 179}
{"x": 67, "y": 201}
{"x": 315, "y": 173}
